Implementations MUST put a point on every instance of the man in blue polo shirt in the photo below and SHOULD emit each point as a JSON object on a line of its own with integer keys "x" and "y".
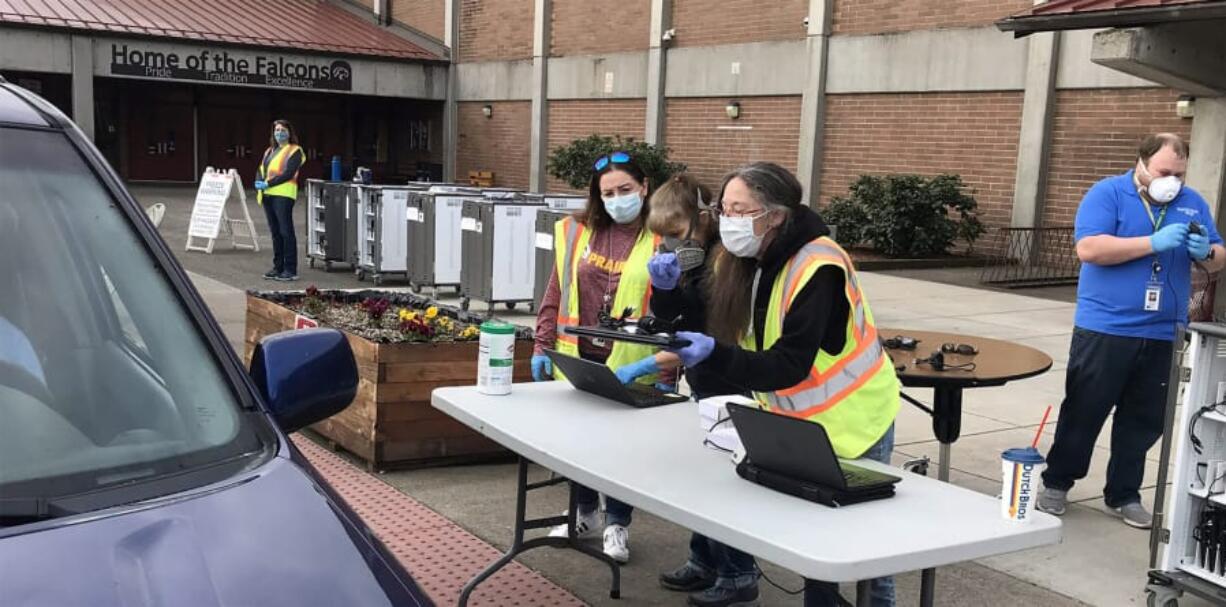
{"x": 1137, "y": 244}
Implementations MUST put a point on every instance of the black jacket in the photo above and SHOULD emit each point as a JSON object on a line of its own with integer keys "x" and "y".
{"x": 817, "y": 318}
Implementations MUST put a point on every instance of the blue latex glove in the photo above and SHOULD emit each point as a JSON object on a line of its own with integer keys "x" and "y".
{"x": 663, "y": 387}
{"x": 699, "y": 349}
{"x": 260, "y": 184}
{"x": 637, "y": 369}
{"x": 1169, "y": 237}
{"x": 1198, "y": 246}
{"x": 542, "y": 368}
{"x": 664, "y": 271}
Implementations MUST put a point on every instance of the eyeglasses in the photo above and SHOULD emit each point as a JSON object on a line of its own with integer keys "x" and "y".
{"x": 755, "y": 215}
{"x": 965, "y": 349}
{"x": 615, "y": 157}
{"x": 901, "y": 342}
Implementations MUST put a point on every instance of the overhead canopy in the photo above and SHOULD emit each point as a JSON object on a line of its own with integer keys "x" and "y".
{"x": 285, "y": 25}
{"x": 1093, "y": 14}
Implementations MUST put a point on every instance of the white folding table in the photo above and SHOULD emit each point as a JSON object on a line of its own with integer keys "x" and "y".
{"x": 654, "y": 459}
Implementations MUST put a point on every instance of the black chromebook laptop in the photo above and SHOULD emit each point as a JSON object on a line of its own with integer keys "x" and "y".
{"x": 596, "y": 378}
{"x": 795, "y": 456}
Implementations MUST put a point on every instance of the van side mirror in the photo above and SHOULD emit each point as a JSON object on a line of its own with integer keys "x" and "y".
{"x": 305, "y": 376}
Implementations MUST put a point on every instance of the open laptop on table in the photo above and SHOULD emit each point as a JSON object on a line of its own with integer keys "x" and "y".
{"x": 795, "y": 456}
{"x": 596, "y": 378}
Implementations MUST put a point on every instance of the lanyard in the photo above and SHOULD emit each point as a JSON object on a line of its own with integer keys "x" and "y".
{"x": 1155, "y": 266}
{"x": 1157, "y": 223}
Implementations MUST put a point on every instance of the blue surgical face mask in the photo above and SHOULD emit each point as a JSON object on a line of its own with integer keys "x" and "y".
{"x": 625, "y": 208}
{"x": 281, "y": 136}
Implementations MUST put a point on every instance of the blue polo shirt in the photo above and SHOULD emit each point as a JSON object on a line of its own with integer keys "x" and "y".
{"x": 1111, "y": 299}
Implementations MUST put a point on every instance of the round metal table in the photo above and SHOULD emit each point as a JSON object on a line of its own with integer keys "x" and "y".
{"x": 997, "y": 363}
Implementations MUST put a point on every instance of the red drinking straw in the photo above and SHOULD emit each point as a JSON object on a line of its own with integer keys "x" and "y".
{"x": 1035, "y": 442}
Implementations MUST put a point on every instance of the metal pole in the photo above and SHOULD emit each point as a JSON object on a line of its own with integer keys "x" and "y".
{"x": 943, "y": 465}
{"x": 1157, "y": 531}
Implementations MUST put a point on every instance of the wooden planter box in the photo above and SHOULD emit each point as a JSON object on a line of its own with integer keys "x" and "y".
{"x": 391, "y": 423}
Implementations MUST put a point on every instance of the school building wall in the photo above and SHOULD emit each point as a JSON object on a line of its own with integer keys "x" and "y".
{"x": 870, "y": 86}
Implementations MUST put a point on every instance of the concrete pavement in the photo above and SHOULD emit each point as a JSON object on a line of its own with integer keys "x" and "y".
{"x": 1100, "y": 562}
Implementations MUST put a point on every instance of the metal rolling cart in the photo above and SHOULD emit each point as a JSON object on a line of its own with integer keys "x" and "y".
{"x": 382, "y": 231}
{"x": 1188, "y": 539}
{"x": 433, "y": 218}
{"x": 331, "y": 236}
{"x": 557, "y": 208}
{"x": 499, "y": 265}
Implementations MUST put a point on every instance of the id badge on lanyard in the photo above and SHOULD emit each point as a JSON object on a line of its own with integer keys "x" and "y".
{"x": 1153, "y": 289}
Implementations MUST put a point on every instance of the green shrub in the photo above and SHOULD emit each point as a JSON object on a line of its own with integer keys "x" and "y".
{"x": 572, "y": 163}
{"x": 906, "y": 215}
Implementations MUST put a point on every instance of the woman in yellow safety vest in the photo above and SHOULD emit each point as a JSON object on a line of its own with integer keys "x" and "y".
{"x": 788, "y": 322}
{"x": 600, "y": 268}
{"x": 276, "y": 188}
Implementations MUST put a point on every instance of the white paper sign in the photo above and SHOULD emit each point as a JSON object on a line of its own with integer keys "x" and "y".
{"x": 211, "y": 200}
{"x": 211, "y": 219}
{"x": 544, "y": 241}
{"x": 414, "y": 214}
{"x": 469, "y": 224}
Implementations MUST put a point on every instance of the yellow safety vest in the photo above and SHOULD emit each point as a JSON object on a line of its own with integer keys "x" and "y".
{"x": 633, "y": 291}
{"x": 854, "y": 395}
{"x": 289, "y": 189}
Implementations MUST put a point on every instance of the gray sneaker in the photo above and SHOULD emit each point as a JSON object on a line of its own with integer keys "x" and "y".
{"x": 1052, "y": 501}
{"x": 1135, "y": 515}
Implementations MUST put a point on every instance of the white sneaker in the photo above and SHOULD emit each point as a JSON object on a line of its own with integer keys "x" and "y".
{"x": 616, "y": 538}
{"x": 586, "y": 526}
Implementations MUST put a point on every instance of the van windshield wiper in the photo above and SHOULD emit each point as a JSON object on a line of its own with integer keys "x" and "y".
{"x": 22, "y": 510}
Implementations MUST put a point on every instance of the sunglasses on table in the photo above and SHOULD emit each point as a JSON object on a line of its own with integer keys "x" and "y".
{"x": 615, "y": 158}
{"x": 901, "y": 342}
{"x": 965, "y": 349}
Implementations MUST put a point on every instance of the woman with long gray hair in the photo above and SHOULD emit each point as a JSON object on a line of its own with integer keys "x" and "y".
{"x": 788, "y": 322}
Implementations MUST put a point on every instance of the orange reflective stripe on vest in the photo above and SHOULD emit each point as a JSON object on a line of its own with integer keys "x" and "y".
{"x": 853, "y": 394}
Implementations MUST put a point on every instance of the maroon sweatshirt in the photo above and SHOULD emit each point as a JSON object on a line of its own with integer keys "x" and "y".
{"x": 600, "y": 270}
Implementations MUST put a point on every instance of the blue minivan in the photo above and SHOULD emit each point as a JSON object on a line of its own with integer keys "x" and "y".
{"x": 140, "y": 464}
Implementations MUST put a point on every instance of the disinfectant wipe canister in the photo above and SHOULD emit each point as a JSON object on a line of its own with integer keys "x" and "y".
{"x": 1020, "y": 470}
{"x": 496, "y": 361}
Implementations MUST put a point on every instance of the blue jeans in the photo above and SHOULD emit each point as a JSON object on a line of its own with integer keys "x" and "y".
{"x": 825, "y": 594}
{"x": 615, "y": 512}
{"x": 736, "y": 569}
{"x": 1128, "y": 374}
{"x": 279, "y": 210}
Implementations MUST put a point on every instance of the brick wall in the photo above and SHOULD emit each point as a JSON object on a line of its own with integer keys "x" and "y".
{"x": 500, "y": 143}
{"x": 583, "y": 28}
{"x": 971, "y": 134}
{"x": 881, "y": 16}
{"x": 575, "y": 119}
{"x": 709, "y": 22}
{"x": 1095, "y": 134}
{"x": 495, "y": 30}
{"x": 425, "y": 16}
{"x": 695, "y": 137}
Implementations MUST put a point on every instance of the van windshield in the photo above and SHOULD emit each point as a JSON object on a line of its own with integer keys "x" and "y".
{"x": 105, "y": 381}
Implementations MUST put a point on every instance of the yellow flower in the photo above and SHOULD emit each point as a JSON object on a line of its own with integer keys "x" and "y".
{"x": 406, "y": 315}
{"x": 431, "y": 312}
{"x": 469, "y": 332}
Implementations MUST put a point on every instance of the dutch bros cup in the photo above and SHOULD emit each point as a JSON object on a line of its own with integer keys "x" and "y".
{"x": 1020, "y": 469}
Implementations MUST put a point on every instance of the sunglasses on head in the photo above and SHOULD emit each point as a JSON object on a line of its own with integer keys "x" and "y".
{"x": 966, "y": 349}
{"x": 615, "y": 157}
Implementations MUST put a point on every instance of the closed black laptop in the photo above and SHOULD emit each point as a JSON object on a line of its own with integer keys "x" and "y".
{"x": 795, "y": 456}
{"x": 596, "y": 378}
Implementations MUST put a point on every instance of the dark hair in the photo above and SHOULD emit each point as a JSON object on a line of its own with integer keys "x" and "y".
{"x": 293, "y": 134}
{"x": 731, "y": 280}
{"x": 676, "y": 203}
{"x": 1152, "y": 143}
{"x": 594, "y": 214}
